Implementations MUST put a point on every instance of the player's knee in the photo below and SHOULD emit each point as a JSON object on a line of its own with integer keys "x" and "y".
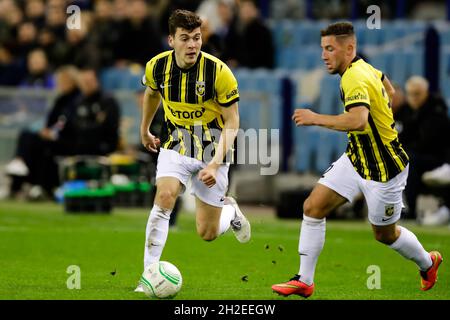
{"x": 166, "y": 198}
{"x": 385, "y": 238}
{"x": 311, "y": 209}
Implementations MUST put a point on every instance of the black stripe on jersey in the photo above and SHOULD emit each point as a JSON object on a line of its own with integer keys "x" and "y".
{"x": 210, "y": 77}
{"x": 206, "y": 142}
{"x": 357, "y": 104}
{"x": 399, "y": 151}
{"x": 372, "y": 164}
{"x": 164, "y": 133}
{"x": 194, "y": 129}
{"x": 191, "y": 96}
{"x": 158, "y": 72}
{"x": 174, "y": 83}
{"x": 170, "y": 129}
{"x": 352, "y": 149}
{"x": 391, "y": 166}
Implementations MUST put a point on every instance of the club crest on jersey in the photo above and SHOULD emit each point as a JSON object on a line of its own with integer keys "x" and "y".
{"x": 200, "y": 88}
{"x": 389, "y": 210}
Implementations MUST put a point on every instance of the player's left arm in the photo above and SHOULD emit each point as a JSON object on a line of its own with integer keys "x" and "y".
{"x": 227, "y": 96}
{"x": 354, "y": 120}
{"x": 230, "y": 117}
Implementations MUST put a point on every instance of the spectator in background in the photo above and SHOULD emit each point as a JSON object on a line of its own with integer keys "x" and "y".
{"x": 94, "y": 125}
{"x": 227, "y": 16}
{"x": 10, "y": 18}
{"x": 211, "y": 41}
{"x": 55, "y": 18}
{"x": 35, "y": 154}
{"x": 12, "y": 71}
{"x": 120, "y": 8}
{"x": 213, "y": 11}
{"x": 217, "y": 17}
{"x": 249, "y": 42}
{"x": 105, "y": 33}
{"x": 48, "y": 42}
{"x": 39, "y": 75}
{"x": 424, "y": 136}
{"x": 26, "y": 39}
{"x": 79, "y": 49}
{"x": 35, "y": 12}
{"x": 139, "y": 37}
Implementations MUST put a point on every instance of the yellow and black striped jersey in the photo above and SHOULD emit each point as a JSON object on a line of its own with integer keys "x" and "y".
{"x": 192, "y": 100}
{"x": 376, "y": 153}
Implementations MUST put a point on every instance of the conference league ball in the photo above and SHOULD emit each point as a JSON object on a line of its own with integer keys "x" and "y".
{"x": 161, "y": 280}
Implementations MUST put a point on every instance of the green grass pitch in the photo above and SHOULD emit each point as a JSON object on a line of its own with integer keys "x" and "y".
{"x": 38, "y": 242}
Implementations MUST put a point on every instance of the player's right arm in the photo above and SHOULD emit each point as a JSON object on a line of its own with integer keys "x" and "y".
{"x": 151, "y": 103}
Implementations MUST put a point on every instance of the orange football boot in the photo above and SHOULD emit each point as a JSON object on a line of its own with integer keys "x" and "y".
{"x": 294, "y": 286}
{"x": 429, "y": 277}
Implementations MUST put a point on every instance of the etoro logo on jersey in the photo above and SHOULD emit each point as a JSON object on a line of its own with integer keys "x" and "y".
{"x": 187, "y": 114}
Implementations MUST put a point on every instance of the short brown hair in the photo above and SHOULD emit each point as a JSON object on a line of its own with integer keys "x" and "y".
{"x": 184, "y": 19}
{"x": 338, "y": 29}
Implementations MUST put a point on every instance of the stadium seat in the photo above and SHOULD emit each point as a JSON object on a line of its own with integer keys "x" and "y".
{"x": 371, "y": 37}
{"x": 287, "y": 58}
{"x": 396, "y": 30}
{"x": 445, "y": 71}
{"x": 360, "y": 28}
{"x": 399, "y": 67}
{"x": 331, "y": 146}
{"x": 381, "y": 62}
{"x": 443, "y": 28}
{"x": 261, "y": 98}
{"x": 316, "y": 148}
{"x": 110, "y": 78}
{"x": 329, "y": 99}
{"x": 306, "y": 140}
{"x": 416, "y": 62}
{"x": 131, "y": 81}
{"x": 307, "y": 33}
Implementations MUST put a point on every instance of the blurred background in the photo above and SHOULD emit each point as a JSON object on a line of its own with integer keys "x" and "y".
{"x": 70, "y": 98}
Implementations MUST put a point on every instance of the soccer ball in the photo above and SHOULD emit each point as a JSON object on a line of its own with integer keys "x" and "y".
{"x": 161, "y": 280}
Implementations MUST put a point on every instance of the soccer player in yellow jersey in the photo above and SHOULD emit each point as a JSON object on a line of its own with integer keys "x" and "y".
{"x": 200, "y": 99}
{"x": 374, "y": 164}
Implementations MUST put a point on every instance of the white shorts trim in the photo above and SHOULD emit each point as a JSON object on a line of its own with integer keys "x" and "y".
{"x": 183, "y": 168}
{"x": 384, "y": 199}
